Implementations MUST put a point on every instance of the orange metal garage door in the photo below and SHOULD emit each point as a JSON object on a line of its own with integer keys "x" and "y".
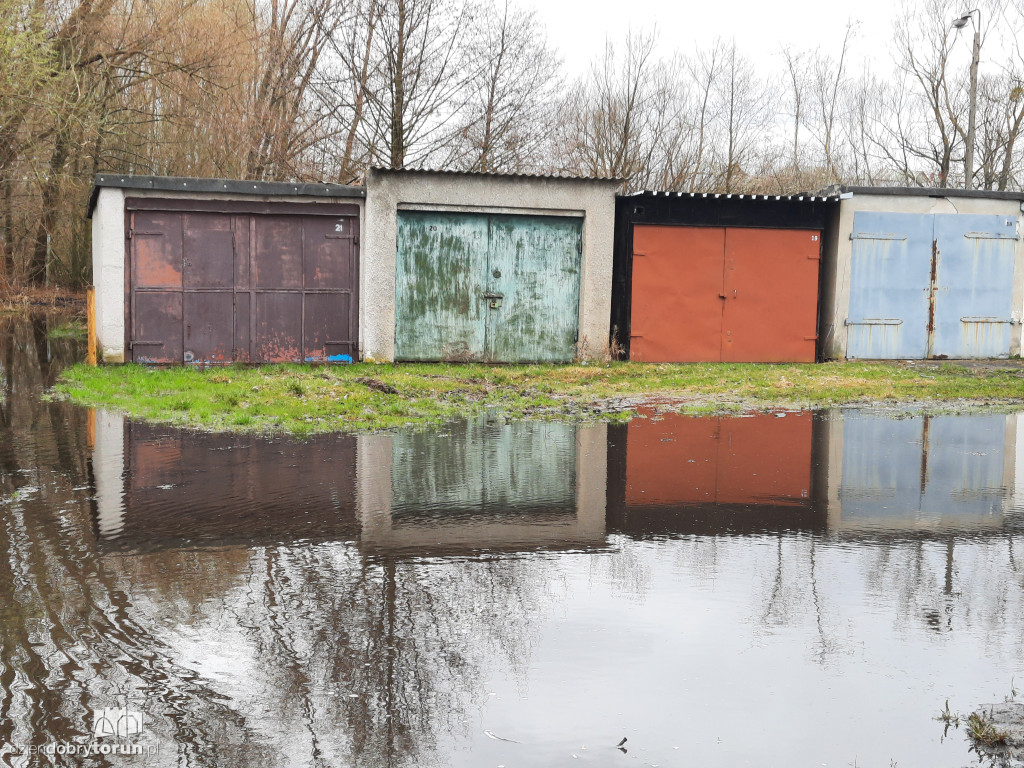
{"x": 724, "y": 294}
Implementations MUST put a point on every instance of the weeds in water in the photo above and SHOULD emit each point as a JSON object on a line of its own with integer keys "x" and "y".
{"x": 949, "y": 718}
{"x": 982, "y": 729}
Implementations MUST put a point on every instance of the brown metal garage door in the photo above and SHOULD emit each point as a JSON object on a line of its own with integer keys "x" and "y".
{"x": 724, "y": 294}
{"x": 215, "y": 282}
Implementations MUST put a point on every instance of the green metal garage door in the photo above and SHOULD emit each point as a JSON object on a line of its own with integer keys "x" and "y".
{"x": 487, "y": 287}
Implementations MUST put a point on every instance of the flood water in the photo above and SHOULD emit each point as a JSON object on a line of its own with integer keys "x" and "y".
{"x": 788, "y": 589}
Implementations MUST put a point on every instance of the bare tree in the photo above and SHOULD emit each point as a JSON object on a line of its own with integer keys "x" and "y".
{"x": 796, "y": 80}
{"x": 606, "y": 118}
{"x": 514, "y": 78}
{"x": 744, "y": 111}
{"x": 418, "y": 85}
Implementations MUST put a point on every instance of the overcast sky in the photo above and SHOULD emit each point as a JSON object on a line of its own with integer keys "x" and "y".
{"x": 579, "y": 27}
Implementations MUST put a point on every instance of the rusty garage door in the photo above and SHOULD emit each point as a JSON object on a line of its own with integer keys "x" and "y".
{"x": 241, "y": 282}
{"x": 724, "y": 294}
{"x": 502, "y": 288}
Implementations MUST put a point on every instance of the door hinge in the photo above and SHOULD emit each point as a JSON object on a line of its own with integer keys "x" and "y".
{"x": 131, "y": 233}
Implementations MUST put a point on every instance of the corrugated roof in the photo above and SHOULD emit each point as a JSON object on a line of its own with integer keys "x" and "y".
{"x": 817, "y": 197}
{"x": 986, "y": 194}
{"x": 563, "y": 176}
{"x": 230, "y": 186}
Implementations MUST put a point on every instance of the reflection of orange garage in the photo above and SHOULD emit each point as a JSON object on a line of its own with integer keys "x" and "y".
{"x": 729, "y": 460}
{"x": 723, "y": 294}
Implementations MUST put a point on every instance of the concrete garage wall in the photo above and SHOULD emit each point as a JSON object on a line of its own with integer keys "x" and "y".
{"x": 835, "y": 301}
{"x": 388, "y": 191}
{"x": 107, "y": 210}
{"x": 108, "y": 273}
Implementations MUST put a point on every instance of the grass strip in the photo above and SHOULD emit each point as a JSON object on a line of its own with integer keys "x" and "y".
{"x": 299, "y": 399}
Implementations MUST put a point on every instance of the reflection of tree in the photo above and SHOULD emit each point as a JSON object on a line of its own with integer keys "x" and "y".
{"x": 69, "y": 640}
{"x": 322, "y": 656}
{"x": 389, "y": 653}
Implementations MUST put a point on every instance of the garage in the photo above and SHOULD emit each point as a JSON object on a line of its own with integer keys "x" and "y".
{"x": 502, "y": 268}
{"x": 256, "y": 273}
{"x": 487, "y": 287}
{"x": 919, "y": 273}
{"x": 717, "y": 278}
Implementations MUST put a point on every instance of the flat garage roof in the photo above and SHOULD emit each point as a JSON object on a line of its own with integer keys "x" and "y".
{"x": 230, "y": 186}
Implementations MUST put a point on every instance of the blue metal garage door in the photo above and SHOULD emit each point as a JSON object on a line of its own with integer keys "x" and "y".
{"x": 930, "y": 285}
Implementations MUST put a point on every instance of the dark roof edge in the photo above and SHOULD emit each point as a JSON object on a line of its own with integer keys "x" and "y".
{"x": 552, "y": 176}
{"x": 806, "y": 197}
{"x": 228, "y": 186}
{"x": 985, "y": 194}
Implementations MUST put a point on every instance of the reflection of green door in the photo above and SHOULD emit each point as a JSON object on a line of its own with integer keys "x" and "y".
{"x": 486, "y": 468}
{"x": 487, "y": 287}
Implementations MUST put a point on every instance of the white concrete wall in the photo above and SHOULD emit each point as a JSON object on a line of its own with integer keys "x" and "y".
{"x": 108, "y": 273}
{"x": 839, "y": 255}
{"x": 389, "y": 191}
{"x": 108, "y": 253}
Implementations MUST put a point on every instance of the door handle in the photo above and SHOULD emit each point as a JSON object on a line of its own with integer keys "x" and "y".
{"x": 490, "y": 295}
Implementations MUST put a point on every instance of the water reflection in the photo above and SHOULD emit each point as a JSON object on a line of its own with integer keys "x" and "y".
{"x": 484, "y": 485}
{"x": 719, "y": 590}
{"x": 841, "y": 472}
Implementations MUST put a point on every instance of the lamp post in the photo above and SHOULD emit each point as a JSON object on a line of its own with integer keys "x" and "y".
{"x": 969, "y": 154}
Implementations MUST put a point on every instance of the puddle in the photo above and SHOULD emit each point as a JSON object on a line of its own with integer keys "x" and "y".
{"x": 776, "y": 589}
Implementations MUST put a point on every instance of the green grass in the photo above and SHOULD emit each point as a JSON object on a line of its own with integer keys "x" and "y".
{"x": 303, "y": 399}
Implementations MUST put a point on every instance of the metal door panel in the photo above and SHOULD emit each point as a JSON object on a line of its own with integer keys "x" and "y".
{"x": 973, "y": 285}
{"x": 208, "y": 253}
{"x": 278, "y": 327}
{"x": 243, "y": 325}
{"x": 156, "y": 327}
{"x": 677, "y": 294}
{"x": 208, "y": 319}
{"x": 328, "y": 338}
{"x": 156, "y": 249}
{"x": 890, "y": 276}
{"x": 225, "y": 263}
{"x": 533, "y": 266}
{"x": 770, "y": 311}
{"x": 439, "y": 286}
{"x": 278, "y": 252}
{"x": 327, "y": 261}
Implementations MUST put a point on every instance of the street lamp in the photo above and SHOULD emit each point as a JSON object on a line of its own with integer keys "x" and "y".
{"x": 969, "y": 155}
